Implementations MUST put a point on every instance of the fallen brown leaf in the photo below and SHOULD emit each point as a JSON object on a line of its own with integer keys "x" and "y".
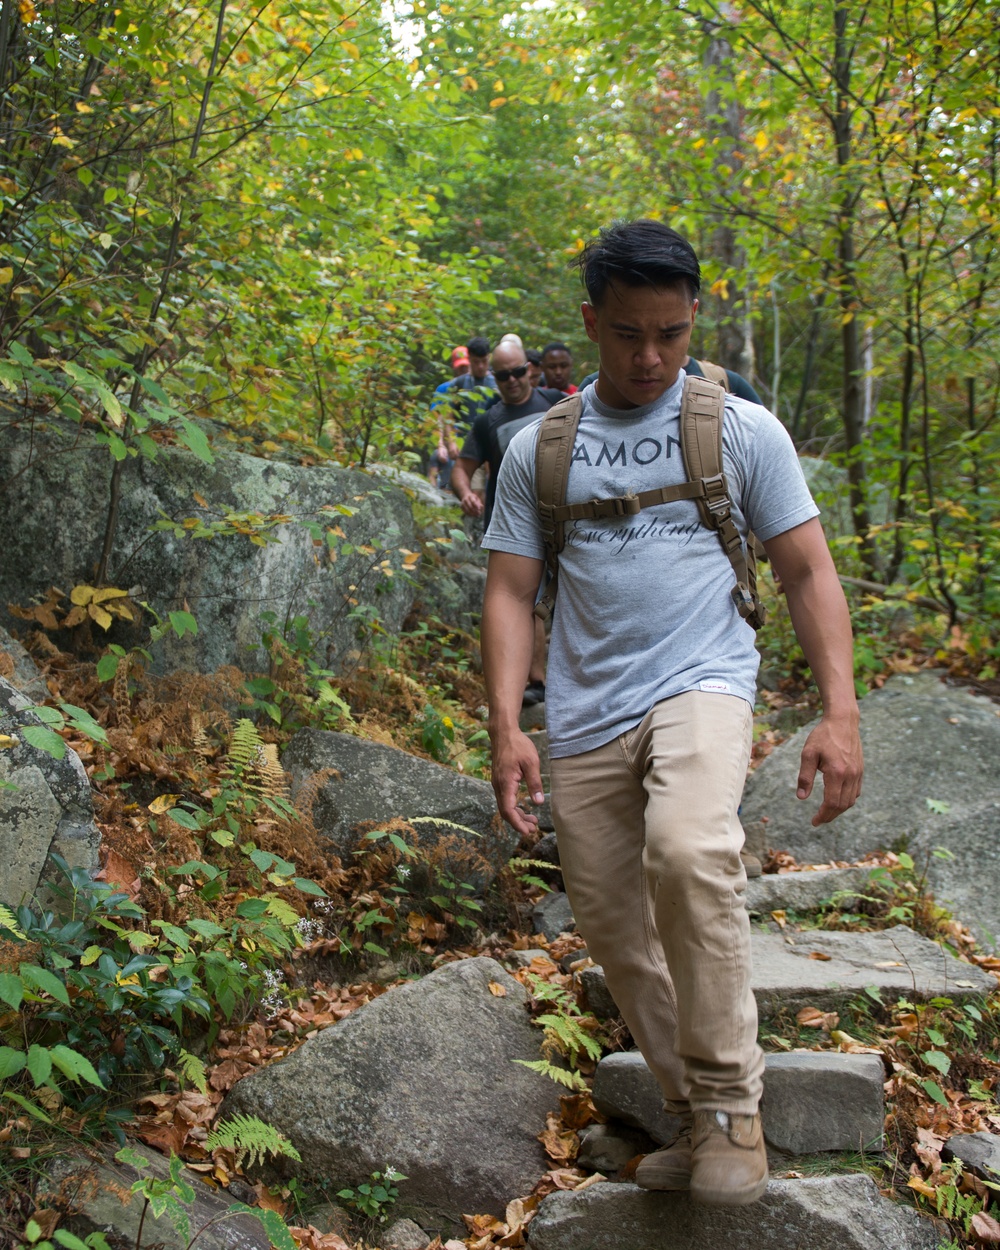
{"x": 819, "y": 955}
{"x": 497, "y": 990}
{"x": 986, "y": 1227}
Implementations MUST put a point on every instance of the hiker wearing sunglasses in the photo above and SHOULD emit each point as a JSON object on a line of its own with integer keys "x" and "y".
{"x": 519, "y": 404}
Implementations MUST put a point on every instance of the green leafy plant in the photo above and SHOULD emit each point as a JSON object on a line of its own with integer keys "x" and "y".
{"x": 374, "y": 1198}
{"x": 251, "y": 1140}
{"x": 569, "y": 1035}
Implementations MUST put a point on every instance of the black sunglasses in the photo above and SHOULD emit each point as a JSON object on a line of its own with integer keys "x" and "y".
{"x": 505, "y": 375}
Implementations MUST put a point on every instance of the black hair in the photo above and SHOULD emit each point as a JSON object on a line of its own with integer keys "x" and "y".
{"x": 533, "y": 357}
{"x": 556, "y": 347}
{"x": 478, "y": 346}
{"x": 638, "y": 253}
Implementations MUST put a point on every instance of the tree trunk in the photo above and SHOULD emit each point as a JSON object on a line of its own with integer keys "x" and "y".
{"x": 724, "y": 119}
{"x": 845, "y": 277}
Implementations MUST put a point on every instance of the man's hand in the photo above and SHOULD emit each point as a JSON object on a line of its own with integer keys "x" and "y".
{"x": 470, "y": 503}
{"x": 834, "y": 749}
{"x": 515, "y": 760}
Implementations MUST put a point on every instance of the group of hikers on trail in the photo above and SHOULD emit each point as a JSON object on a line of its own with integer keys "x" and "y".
{"x": 628, "y": 513}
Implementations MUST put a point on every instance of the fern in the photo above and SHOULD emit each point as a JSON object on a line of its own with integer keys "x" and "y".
{"x": 250, "y": 1139}
{"x": 442, "y": 823}
{"x": 246, "y": 747}
{"x": 565, "y": 1035}
{"x": 561, "y": 1076}
{"x": 193, "y": 1071}
{"x": 9, "y": 921}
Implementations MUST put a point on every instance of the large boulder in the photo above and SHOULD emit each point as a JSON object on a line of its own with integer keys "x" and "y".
{"x": 49, "y": 809}
{"x": 931, "y": 754}
{"x": 100, "y": 1199}
{"x": 17, "y": 666}
{"x": 423, "y": 1079}
{"x": 823, "y": 1213}
{"x": 457, "y": 822}
{"x": 331, "y": 568}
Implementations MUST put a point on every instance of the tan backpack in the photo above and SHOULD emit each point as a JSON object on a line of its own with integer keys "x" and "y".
{"x": 702, "y": 410}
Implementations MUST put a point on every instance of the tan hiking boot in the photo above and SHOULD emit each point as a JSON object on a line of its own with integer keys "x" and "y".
{"x": 728, "y": 1159}
{"x": 751, "y": 864}
{"x": 670, "y": 1166}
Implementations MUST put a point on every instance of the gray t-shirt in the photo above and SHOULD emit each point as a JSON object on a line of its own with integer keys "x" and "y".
{"x": 644, "y": 609}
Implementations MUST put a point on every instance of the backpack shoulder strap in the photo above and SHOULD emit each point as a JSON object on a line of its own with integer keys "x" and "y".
{"x": 715, "y": 373}
{"x": 703, "y": 407}
{"x": 553, "y": 456}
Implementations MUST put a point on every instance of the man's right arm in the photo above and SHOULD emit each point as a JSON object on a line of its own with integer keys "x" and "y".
{"x": 461, "y": 485}
{"x": 507, "y": 638}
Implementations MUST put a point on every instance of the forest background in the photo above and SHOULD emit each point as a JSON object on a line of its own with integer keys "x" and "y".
{"x": 270, "y": 224}
{"x": 282, "y": 218}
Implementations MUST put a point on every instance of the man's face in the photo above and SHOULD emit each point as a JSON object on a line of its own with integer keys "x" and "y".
{"x": 508, "y": 361}
{"x": 643, "y": 334}
{"x": 534, "y": 372}
{"x": 460, "y": 369}
{"x": 479, "y": 366}
{"x": 558, "y": 368}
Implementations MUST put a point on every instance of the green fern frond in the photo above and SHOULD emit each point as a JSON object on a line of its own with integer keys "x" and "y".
{"x": 193, "y": 1071}
{"x": 9, "y": 921}
{"x": 561, "y": 1076}
{"x": 444, "y": 824}
{"x": 251, "y": 1139}
{"x": 283, "y": 912}
{"x": 246, "y": 747}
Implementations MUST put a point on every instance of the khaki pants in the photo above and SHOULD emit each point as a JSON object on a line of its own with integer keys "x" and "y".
{"x": 649, "y": 844}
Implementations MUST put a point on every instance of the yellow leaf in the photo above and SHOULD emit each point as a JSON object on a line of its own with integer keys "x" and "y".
{"x": 847, "y": 318}
{"x": 27, "y": 11}
{"x": 74, "y": 617}
{"x": 100, "y": 615}
{"x": 500, "y": 100}
{"x": 760, "y": 141}
{"x": 352, "y": 50}
{"x": 108, "y": 592}
{"x": 498, "y": 85}
{"x": 83, "y": 108}
{"x": 920, "y": 1186}
{"x": 497, "y": 990}
{"x": 6, "y": 275}
{"x": 199, "y": 499}
{"x": 81, "y": 594}
{"x": 7, "y": 741}
{"x": 163, "y": 803}
{"x": 720, "y": 287}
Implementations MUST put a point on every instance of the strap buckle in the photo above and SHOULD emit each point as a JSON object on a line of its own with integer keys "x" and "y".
{"x": 717, "y": 494}
{"x": 624, "y": 505}
{"x": 743, "y": 600}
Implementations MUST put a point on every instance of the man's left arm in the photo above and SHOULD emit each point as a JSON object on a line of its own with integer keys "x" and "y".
{"x": 802, "y": 560}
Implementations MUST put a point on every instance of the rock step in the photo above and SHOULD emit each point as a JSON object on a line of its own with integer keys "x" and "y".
{"x": 823, "y": 1213}
{"x": 813, "y": 1100}
{"x": 802, "y": 891}
{"x": 822, "y": 969}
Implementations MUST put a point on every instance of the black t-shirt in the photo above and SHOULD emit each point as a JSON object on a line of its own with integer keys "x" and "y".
{"x": 493, "y": 429}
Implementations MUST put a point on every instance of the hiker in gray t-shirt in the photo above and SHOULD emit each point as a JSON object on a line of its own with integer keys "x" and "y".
{"x": 651, "y": 685}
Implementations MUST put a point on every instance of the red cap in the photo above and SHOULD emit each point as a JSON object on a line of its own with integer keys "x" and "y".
{"x": 460, "y": 356}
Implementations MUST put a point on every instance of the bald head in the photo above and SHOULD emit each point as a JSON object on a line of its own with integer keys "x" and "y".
{"x": 507, "y": 361}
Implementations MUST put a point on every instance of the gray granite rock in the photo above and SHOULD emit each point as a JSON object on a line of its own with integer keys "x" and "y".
{"x": 980, "y": 1152}
{"x": 404, "y": 1235}
{"x": 606, "y": 1148}
{"x": 522, "y": 959}
{"x": 927, "y": 745}
{"x": 897, "y": 961}
{"x": 823, "y": 1100}
{"x": 50, "y": 810}
{"x": 371, "y": 782}
{"x": 55, "y": 501}
{"x": 553, "y": 915}
{"x": 821, "y": 1213}
{"x": 546, "y": 848}
{"x": 802, "y": 891}
{"x": 813, "y": 1100}
{"x": 100, "y": 1190}
{"x": 597, "y": 998}
{"x": 788, "y": 976}
{"x": 17, "y": 667}
{"x": 625, "y": 1088}
{"x": 422, "y": 1078}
